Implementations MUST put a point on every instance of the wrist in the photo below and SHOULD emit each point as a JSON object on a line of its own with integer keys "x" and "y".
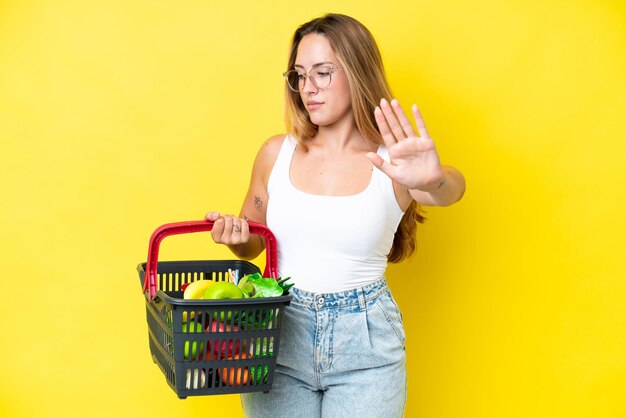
{"x": 436, "y": 185}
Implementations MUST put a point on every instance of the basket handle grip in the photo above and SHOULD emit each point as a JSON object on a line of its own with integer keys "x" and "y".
{"x": 187, "y": 227}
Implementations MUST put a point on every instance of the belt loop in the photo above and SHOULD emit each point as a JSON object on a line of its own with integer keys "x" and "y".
{"x": 361, "y": 296}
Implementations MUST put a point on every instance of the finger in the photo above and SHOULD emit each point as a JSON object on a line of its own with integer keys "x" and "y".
{"x": 228, "y": 229}
{"x": 218, "y": 230}
{"x": 404, "y": 121}
{"x": 236, "y": 227}
{"x": 245, "y": 231}
{"x": 381, "y": 164}
{"x": 419, "y": 122}
{"x": 211, "y": 216}
{"x": 236, "y": 237}
{"x": 392, "y": 120}
{"x": 383, "y": 127}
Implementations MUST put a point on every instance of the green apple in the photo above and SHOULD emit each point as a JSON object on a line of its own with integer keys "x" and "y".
{"x": 223, "y": 290}
{"x": 194, "y": 345}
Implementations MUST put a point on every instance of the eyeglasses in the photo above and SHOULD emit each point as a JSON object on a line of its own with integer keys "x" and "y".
{"x": 320, "y": 77}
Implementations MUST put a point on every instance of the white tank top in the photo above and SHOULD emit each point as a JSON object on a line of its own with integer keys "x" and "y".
{"x": 329, "y": 244}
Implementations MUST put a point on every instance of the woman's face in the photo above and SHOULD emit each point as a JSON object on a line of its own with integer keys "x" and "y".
{"x": 328, "y": 105}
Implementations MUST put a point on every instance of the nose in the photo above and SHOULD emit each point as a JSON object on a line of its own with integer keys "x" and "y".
{"x": 309, "y": 85}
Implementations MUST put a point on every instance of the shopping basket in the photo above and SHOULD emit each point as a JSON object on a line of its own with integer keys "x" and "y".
{"x": 210, "y": 347}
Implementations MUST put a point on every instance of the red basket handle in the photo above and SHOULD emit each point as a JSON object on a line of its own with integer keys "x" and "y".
{"x": 150, "y": 276}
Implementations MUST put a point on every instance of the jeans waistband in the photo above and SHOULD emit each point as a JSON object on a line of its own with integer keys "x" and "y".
{"x": 358, "y": 296}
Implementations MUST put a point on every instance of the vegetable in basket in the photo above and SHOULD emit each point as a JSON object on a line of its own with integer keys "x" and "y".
{"x": 257, "y": 286}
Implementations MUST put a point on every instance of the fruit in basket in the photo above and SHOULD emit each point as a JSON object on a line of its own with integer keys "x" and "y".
{"x": 223, "y": 290}
{"x": 235, "y": 375}
{"x": 223, "y": 348}
{"x": 195, "y": 327}
{"x": 196, "y": 290}
{"x": 169, "y": 321}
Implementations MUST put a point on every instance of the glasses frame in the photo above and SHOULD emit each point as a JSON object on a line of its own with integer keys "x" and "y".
{"x": 331, "y": 67}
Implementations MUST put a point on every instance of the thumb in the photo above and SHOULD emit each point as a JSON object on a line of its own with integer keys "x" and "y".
{"x": 380, "y": 163}
{"x": 212, "y": 216}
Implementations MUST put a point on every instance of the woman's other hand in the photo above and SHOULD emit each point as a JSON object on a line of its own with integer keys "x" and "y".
{"x": 414, "y": 161}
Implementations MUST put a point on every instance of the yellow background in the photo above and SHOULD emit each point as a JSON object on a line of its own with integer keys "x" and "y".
{"x": 119, "y": 116}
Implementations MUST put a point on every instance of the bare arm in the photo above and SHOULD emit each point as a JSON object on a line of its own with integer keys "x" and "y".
{"x": 234, "y": 231}
{"x": 414, "y": 164}
{"x": 449, "y": 190}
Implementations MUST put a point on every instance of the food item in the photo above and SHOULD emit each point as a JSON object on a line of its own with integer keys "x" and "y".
{"x": 197, "y": 375}
{"x": 223, "y": 290}
{"x": 223, "y": 348}
{"x": 235, "y": 375}
{"x": 191, "y": 316}
{"x": 195, "y": 290}
{"x": 259, "y": 374}
{"x": 257, "y": 286}
{"x": 194, "y": 328}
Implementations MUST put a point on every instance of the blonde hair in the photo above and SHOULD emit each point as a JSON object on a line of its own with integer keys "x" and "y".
{"x": 357, "y": 52}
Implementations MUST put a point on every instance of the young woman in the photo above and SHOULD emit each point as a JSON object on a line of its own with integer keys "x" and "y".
{"x": 341, "y": 192}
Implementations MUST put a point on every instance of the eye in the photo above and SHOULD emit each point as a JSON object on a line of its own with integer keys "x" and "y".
{"x": 322, "y": 72}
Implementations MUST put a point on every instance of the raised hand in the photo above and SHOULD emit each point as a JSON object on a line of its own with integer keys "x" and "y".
{"x": 413, "y": 160}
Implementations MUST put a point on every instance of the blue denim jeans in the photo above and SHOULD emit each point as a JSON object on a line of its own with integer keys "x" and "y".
{"x": 341, "y": 355}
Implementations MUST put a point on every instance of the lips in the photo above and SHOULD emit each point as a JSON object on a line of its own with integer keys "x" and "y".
{"x": 313, "y": 105}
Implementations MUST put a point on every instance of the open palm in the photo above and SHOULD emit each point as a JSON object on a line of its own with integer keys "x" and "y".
{"x": 413, "y": 159}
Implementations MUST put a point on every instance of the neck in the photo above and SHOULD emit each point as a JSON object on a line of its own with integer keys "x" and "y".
{"x": 341, "y": 136}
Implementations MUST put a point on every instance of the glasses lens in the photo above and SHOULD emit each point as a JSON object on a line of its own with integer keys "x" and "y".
{"x": 322, "y": 76}
{"x": 294, "y": 80}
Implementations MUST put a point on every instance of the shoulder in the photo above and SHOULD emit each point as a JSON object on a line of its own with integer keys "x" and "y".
{"x": 273, "y": 144}
{"x": 269, "y": 150}
{"x": 267, "y": 155}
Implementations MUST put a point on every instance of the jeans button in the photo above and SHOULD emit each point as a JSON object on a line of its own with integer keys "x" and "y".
{"x": 320, "y": 301}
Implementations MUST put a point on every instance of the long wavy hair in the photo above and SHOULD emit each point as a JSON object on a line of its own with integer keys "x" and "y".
{"x": 358, "y": 53}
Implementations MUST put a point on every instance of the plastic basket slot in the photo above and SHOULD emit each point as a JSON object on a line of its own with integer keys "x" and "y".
{"x": 159, "y": 329}
{"x": 195, "y": 349}
{"x": 192, "y": 315}
{"x": 259, "y": 374}
{"x": 261, "y": 319}
{"x": 165, "y": 281}
{"x": 262, "y": 347}
{"x": 200, "y": 378}
{"x": 228, "y": 348}
{"x": 235, "y": 375}
{"x": 173, "y": 281}
{"x": 162, "y": 361}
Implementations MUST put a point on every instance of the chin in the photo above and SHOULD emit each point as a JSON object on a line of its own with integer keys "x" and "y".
{"x": 320, "y": 120}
